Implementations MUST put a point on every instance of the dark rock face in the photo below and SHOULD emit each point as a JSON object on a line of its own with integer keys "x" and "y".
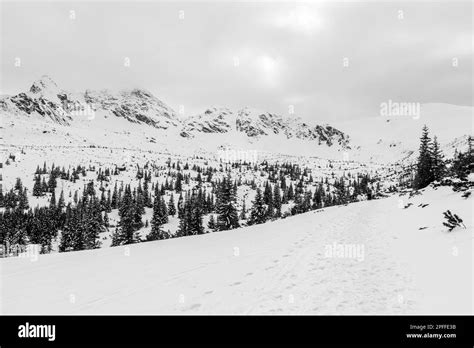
{"x": 213, "y": 120}
{"x": 136, "y": 106}
{"x": 46, "y": 99}
{"x": 260, "y": 124}
{"x": 43, "y": 107}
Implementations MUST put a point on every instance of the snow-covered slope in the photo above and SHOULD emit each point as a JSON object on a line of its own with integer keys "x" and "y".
{"x": 137, "y": 106}
{"x": 397, "y": 137}
{"x": 404, "y": 261}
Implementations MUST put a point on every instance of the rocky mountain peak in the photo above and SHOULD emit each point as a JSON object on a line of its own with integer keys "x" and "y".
{"x": 44, "y": 84}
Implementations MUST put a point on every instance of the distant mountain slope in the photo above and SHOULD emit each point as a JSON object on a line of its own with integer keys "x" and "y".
{"x": 257, "y": 124}
{"x": 138, "y": 106}
{"x": 390, "y": 138}
{"x": 45, "y": 100}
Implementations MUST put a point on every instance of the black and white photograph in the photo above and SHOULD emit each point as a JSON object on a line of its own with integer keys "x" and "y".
{"x": 236, "y": 158}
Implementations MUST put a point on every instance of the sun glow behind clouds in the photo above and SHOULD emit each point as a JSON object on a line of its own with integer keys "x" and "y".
{"x": 302, "y": 19}
{"x": 269, "y": 70}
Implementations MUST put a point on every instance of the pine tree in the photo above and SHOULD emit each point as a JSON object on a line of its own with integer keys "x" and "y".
{"x": 424, "y": 172}
{"x": 211, "y": 223}
{"x": 37, "y": 191}
{"x": 44, "y": 185}
{"x": 18, "y": 185}
{"x": 195, "y": 223}
{"x": 108, "y": 203}
{"x": 317, "y": 198}
{"x": 258, "y": 214}
{"x": 463, "y": 163}
{"x": 2, "y": 199}
{"x": 268, "y": 199}
{"x": 114, "y": 202}
{"x": 290, "y": 193}
{"x": 157, "y": 220}
{"x": 61, "y": 201}
{"x": 126, "y": 231}
{"x": 227, "y": 217}
{"x": 180, "y": 206}
{"x": 171, "y": 206}
{"x": 52, "y": 182}
{"x": 243, "y": 213}
{"x": 277, "y": 201}
{"x": 307, "y": 201}
{"x": 22, "y": 200}
{"x": 52, "y": 202}
{"x": 92, "y": 224}
{"x": 439, "y": 166}
{"x": 178, "y": 185}
{"x": 298, "y": 204}
{"x": 146, "y": 199}
{"x": 66, "y": 240}
{"x": 103, "y": 201}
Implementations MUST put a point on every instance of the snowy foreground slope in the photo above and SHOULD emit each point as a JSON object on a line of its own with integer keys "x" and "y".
{"x": 278, "y": 267}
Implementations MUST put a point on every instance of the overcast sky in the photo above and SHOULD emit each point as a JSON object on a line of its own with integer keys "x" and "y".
{"x": 267, "y": 55}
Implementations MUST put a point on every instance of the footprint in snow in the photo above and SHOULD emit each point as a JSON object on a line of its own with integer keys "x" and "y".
{"x": 195, "y": 306}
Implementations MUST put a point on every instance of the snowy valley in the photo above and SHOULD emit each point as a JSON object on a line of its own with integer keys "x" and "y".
{"x": 135, "y": 209}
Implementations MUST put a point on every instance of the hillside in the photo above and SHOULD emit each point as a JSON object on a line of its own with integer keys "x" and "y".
{"x": 392, "y": 138}
{"x": 270, "y": 268}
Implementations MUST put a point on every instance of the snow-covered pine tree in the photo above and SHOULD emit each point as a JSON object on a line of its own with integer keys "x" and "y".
{"x": 37, "y": 191}
{"x": 22, "y": 200}
{"x": 243, "y": 212}
{"x": 306, "y": 201}
{"x": 463, "y": 163}
{"x": 52, "y": 201}
{"x": 180, "y": 206}
{"x": 126, "y": 230}
{"x": 317, "y": 198}
{"x": 268, "y": 199}
{"x": 298, "y": 204}
{"x": 92, "y": 224}
{"x": 178, "y": 185}
{"x": 114, "y": 202}
{"x": 258, "y": 213}
{"x": 227, "y": 217}
{"x": 157, "y": 220}
{"x": 211, "y": 223}
{"x": 277, "y": 201}
{"x": 171, "y": 206}
{"x": 195, "y": 223}
{"x": 438, "y": 163}
{"x": 424, "y": 169}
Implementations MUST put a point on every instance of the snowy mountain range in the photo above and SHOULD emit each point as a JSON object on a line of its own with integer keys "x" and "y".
{"x": 47, "y": 100}
{"x": 138, "y": 119}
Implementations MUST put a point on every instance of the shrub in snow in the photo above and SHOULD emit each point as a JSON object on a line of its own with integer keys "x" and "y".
{"x": 452, "y": 220}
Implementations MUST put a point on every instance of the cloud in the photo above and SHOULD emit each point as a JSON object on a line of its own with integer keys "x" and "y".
{"x": 287, "y": 53}
{"x": 302, "y": 19}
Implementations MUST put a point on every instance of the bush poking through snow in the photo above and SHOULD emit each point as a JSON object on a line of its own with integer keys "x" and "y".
{"x": 452, "y": 220}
